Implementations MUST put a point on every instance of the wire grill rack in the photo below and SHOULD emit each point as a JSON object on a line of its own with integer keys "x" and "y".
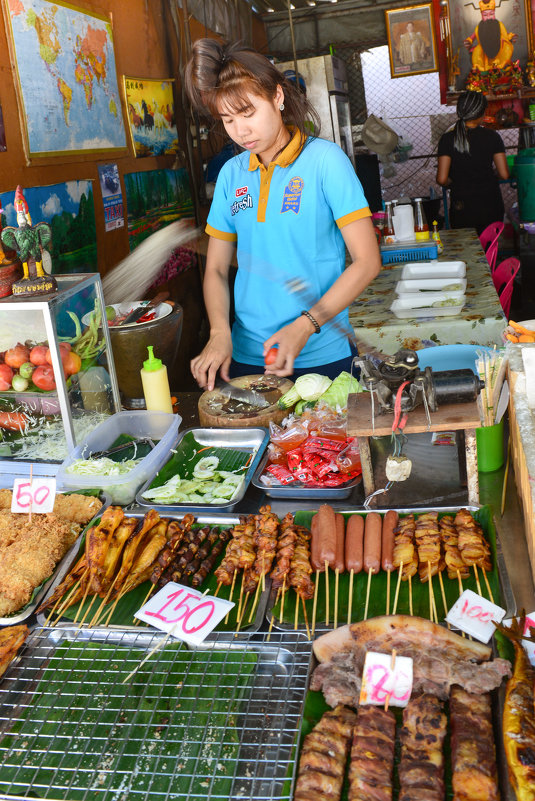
{"x": 218, "y": 722}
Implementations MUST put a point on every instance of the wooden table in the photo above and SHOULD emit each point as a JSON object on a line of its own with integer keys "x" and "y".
{"x": 481, "y": 321}
{"x": 455, "y": 417}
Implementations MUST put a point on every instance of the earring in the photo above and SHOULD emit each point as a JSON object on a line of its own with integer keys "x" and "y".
{"x": 281, "y": 107}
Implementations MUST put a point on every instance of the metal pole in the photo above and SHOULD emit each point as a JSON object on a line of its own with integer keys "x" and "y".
{"x": 293, "y": 41}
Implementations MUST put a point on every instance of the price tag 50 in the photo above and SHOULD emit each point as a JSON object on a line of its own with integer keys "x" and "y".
{"x": 37, "y": 495}
{"x": 184, "y": 613}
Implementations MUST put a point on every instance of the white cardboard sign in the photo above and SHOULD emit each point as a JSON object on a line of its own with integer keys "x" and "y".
{"x": 474, "y": 615}
{"x": 35, "y": 495}
{"x": 386, "y": 679}
{"x": 184, "y": 613}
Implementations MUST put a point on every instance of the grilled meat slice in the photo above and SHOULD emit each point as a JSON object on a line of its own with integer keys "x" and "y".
{"x": 473, "y": 754}
{"x": 422, "y": 736}
{"x": 323, "y": 757}
{"x": 372, "y": 755}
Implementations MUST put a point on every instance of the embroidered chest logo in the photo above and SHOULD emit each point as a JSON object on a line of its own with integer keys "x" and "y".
{"x": 241, "y": 191}
{"x": 292, "y": 195}
{"x": 246, "y": 201}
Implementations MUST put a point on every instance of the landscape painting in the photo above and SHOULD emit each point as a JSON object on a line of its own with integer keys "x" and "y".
{"x": 154, "y": 199}
{"x": 151, "y": 114}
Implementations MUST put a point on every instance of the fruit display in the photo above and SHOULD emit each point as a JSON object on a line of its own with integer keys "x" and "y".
{"x": 28, "y": 366}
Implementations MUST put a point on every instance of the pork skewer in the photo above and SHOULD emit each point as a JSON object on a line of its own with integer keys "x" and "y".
{"x": 405, "y": 558}
{"x": 372, "y": 755}
{"x": 421, "y": 768}
{"x": 473, "y": 754}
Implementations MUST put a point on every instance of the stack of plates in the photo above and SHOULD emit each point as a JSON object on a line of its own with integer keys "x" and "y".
{"x": 431, "y": 289}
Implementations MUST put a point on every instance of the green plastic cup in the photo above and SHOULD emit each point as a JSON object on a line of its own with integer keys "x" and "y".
{"x": 490, "y": 451}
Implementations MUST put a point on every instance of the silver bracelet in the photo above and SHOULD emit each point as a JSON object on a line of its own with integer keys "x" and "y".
{"x": 313, "y": 320}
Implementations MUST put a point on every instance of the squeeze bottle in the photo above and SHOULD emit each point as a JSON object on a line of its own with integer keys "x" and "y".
{"x": 156, "y": 384}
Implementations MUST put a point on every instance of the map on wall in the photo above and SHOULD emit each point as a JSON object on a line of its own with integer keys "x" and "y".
{"x": 68, "y": 82}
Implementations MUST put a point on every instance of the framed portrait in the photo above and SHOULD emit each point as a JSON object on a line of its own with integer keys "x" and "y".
{"x": 411, "y": 40}
{"x": 151, "y": 114}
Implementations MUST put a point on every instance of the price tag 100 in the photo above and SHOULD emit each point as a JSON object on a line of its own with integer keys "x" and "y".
{"x": 475, "y": 615}
{"x": 386, "y": 679}
{"x": 184, "y": 613}
{"x": 37, "y": 495}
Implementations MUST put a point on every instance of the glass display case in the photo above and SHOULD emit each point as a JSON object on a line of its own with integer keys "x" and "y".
{"x": 57, "y": 377}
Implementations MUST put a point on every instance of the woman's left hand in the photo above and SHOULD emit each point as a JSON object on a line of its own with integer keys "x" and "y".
{"x": 289, "y": 342}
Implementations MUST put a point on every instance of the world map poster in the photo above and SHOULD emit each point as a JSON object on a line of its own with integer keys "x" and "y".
{"x": 68, "y": 82}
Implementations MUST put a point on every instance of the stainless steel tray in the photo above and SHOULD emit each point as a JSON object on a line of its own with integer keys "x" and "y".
{"x": 378, "y": 588}
{"x": 123, "y": 615}
{"x": 298, "y": 490}
{"x": 39, "y": 595}
{"x": 217, "y": 722}
{"x": 253, "y": 440}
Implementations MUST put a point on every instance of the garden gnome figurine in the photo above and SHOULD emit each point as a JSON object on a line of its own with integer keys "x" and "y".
{"x": 29, "y": 241}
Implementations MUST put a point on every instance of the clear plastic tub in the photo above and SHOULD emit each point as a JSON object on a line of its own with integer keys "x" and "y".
{"x": 160, "y": 427}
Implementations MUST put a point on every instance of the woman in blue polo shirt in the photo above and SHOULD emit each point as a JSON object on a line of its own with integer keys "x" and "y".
{"x": 291, "y": 203}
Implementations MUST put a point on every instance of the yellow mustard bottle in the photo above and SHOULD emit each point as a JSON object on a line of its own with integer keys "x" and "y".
{"x": 156, "y": 384}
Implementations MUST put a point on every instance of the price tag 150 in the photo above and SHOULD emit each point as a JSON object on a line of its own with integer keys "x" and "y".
{"x": 475, "y": 615}
{"x": 386, "y": 680}
{"x": 185, "y": 613}
{"x": 37, "y": 495}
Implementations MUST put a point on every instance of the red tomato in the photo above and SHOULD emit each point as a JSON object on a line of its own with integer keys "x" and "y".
{"x": 43, "y": 377}
{"x": 271, "y": 356}
{"x": 6, "y": 374}
{"x": 38, "y": 354}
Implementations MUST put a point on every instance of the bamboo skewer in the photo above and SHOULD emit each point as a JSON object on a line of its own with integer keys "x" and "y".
{"x": 315, "y": 604}
{"x": 146, "y": 658}
{"x": 255, "y": 599}
{"x": 112, "y": 610}
{"x": 350, "y": 597}
{"x": 396, "y": 596}
{"x": 245, "y": 602}
{"x": 66, "y": 600}
{"x": 263, "y": 571}
{"x": 53, "y": 610}
{"x": 306, "y": 617}
{"x": 370, "y": 573}
{"x": 443, "y": 593}
{"x": 388, "y": 592}
{"x": 410, "y": 596}
{"x": 326, "y": 593}
{"x": 296, "y": 617}
{"x": 392, "y": 665}
{"x": 240, "y": 599}
{"x": 96, "y": 617}
{"x": 217, "y": 589}
{"x": 505, "y": 476}
{"x": 272, "y": 621}
{"x": 87, "y": 611}
{"x": 429, "y": 582}
{"x": 336, "y": 582}
{"x": 488, "y": 585}
{"x": 461, "y": 590}
{"x": 231, "y": 594}
{"x": 476, "y": 574}
{"x": 137, "y": 621}
{"x": 282, "y": 599}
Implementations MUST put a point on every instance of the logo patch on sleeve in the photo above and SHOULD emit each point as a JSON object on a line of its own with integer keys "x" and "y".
{"x": 292, "y": 195}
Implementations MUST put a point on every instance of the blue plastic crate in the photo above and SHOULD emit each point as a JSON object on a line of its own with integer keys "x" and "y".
{"x": 403, "y": 252}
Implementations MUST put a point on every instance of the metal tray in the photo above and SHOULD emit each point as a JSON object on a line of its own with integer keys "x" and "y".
{"x": 123, "y": 616}
{"x": 60, "y": 569}
{"x": 297, "y": 490}
{"x": 359, "y": 587}
{"x": 254, "y": 440}
{"x": 217, "y": 722}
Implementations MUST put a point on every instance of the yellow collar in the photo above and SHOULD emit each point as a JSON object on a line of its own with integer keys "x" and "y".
{"x": 284, "y": 159}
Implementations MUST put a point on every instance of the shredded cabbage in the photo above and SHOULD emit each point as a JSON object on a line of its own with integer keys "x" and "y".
{"x": 101, "y": 467}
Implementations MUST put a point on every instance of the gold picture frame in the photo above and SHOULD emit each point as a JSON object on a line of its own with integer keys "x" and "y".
{"x": 412, "y": 46}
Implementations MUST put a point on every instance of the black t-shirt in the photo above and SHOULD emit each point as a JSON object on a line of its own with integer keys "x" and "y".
{"x": 472, "y": 173}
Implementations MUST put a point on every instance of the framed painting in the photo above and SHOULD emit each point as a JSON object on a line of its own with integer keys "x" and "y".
{"x": 411, "y": 40}
{"x": 64, "y": 63}
{"x": 151, "y": 115}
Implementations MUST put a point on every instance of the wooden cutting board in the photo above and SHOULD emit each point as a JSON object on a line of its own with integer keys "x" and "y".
{"x": 220, "y": 411}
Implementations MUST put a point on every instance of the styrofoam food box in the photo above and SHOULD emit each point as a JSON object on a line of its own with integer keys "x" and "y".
{"x": 160, "y": 427}
{"x": 431, "y": 284}
{"x": 433, "y": 269}
{"x": 418, "y": 300}
{"x": 401, "y": 309}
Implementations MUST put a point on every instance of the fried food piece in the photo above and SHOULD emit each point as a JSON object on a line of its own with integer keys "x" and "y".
{"x": 11, "y": 639}
{"x": 31, "y": 556}
{"x": 97, "y": 542}
{"x": 74, "y": 507}
{"x": 144, "y": 561}
{"x": 134, "y": 545}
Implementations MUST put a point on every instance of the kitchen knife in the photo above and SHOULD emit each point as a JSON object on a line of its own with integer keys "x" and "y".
{"x": 244, "y": 395}
{"x": 141, "y": 311}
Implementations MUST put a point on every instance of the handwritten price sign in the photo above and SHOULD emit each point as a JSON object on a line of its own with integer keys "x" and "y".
{"x": 36, "y": 496}
{"x": 184, "y": 613}
{"x": 475, "y": 615}
{"x": 386, "y": 680}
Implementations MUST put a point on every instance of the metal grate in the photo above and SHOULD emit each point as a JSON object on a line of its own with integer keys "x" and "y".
{"x": 219, "y": 722}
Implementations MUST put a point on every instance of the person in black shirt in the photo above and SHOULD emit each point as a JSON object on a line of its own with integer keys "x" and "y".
{"x": 471, "y": 159}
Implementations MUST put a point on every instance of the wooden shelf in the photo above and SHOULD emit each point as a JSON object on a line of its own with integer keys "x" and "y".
{"x": 525, "y": 92}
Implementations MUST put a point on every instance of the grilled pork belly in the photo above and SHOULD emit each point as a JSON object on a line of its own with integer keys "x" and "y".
{"x": 421, "y": 768}
{"x": 372, "y": 755}
{"x": 473, "y": 754}
{"x": 323, "y": 757}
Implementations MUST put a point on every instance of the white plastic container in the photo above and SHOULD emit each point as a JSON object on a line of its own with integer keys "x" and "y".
{"x": 160, "y": 427}
{"x": 431, "y": 285}
{"x": 404, "y": 307}
{"x": 433, "y": 269}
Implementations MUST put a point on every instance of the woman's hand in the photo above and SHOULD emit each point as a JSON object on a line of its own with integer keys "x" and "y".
{"x": 290, "y": 341}
{"x": 216, "y": 355}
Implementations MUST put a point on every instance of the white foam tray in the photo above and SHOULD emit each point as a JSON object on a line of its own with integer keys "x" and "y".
{"x": 433, "y": 269}
{"x": 431, "y": 284}
{"x": 403, "y": 310}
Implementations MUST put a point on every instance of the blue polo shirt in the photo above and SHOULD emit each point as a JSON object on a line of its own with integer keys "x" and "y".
{"x": 286, "y": 219}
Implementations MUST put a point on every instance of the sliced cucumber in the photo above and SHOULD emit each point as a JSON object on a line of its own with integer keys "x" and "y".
{"x": 206, "y": 467}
